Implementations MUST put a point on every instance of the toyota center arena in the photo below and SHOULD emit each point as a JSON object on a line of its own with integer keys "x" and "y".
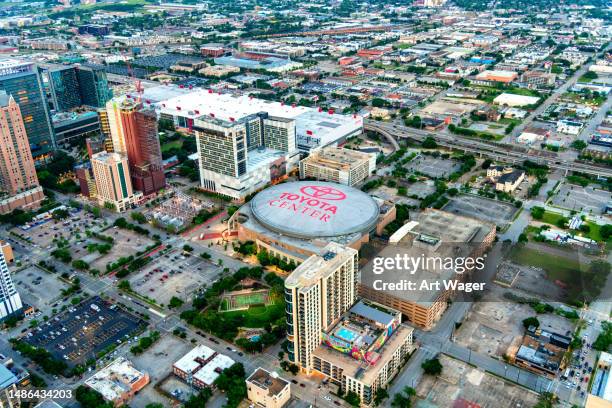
{"x": 293, "y": 220}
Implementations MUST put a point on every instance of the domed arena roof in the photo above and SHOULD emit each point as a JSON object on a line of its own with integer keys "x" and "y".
{"x": 315, "y": 209}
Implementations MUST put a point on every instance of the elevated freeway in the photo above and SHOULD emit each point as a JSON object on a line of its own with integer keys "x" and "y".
{"x": 490, "y": 149}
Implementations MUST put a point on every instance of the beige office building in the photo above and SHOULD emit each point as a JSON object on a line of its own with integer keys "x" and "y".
{"x": 19, "y": 186}
{"x": 343, "y": 166}
{"x": 113, "y": 183}
{"x": 268, "y": 390}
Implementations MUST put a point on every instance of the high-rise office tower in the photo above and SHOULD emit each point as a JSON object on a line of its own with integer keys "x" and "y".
{"x": 93, "y": 86}
{"x": 19, "y": 186}
{"x": 75, "y": 86}
{"x": 134, "y": 133}
{"x": 64, "y": 88}
{"x": 10, "y": 301}
{"x": 22, "y": 80}
{"x": 113, "y": 184}
{"x": 318, "y": 293}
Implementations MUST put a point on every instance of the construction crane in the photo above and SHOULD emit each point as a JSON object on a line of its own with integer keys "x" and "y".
{"x": 137, "y": 82}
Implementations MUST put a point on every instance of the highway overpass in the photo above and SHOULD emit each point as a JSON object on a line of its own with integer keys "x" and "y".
{"x": 490, "y": 149}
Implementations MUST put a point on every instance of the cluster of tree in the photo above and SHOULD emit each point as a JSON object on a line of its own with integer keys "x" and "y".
{"x": 290, "y": 367}
{"x": 469, "y": 132}
{"x": 402, "y": 214}
{"x": 604, "y": 339}
{"x": 90, "y": 398}
{"x": 40, "y": 356}
{"x": 266, "y": 259}
{"x": 225, "y": 325}
{"x": 197, "y": 400}
{"x": 48, "y": 175}
{"x": 436, "y": 199}
{"x": 467, "y": 163}
{"x": 189, "y": 169}
{"x": 403, "y": 399}
{"x": 540, "y": 171}
{"x": 145, "y": 342}
{"x": 432, "y": 366}
{"x": 232, "y": 382}
{"x": 123, "y": 223}
{"x": 63, "y": 254}
{"x": 266, "y": 339}
{"x": 203, "y": 216}
{"x": 531, "y": 322}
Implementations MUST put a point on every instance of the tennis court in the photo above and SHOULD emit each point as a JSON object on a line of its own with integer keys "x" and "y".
{"x": 243, "y": 299}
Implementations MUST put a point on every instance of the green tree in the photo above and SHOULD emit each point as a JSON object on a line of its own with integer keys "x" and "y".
{"x": 138, "y": 217}
{"x": 175, "y": 302}
{"x": 432, "y": 366}
{"x": 403, "y": 399}
{"x": 89, "y": 398}
{"x": 537, "y": 213}
{"x": 352, "y": 398}
{"x": 429, "y": 143}
{"x": 531, "y": 321}
{"x": 124, "y": 285}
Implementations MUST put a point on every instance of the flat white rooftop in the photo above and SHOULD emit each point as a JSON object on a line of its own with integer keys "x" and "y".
{"x": 319, "y": 127}
{"x": 115, "y": 379}
{"x": 204, "y": 364}
{"x": 209, "y": 373}
{"x": 188, "y": 362}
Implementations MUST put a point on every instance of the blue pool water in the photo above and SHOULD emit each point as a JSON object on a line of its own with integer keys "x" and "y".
{"x": 255, "y": 338}
{"x": 346, "y": 334}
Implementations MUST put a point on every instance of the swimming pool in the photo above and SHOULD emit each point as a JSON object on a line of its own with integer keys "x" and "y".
{"x": 346, "y": 334}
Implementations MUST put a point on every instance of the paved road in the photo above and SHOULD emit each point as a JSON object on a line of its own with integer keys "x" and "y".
{"x": 549, "y": 101}
{"x": 494, "y": 150}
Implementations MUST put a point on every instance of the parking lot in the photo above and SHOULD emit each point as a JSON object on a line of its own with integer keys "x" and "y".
{"x": 173, "y": 274}
{"x": 125, "y": 243}
{"x": 433, "y": 167}
{"x": 83, "y": 331}
{"x": 497, "y": 212}
{"x": 577, "y": 198}
{"x": 461, "y": 385}
{"x": 421, "y": 189}
{"x": 39, "y": 288}
{"x": 44, "y": 232}
{"x": 390, "y": 194}
{"x": 157, "y": 362}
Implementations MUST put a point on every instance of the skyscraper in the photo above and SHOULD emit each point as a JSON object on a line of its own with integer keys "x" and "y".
{"x": 93, "y": 86}
{"x": 64, "y": 87}
{"x": 113, "y": 184}
{"x": 19, "y": 186}
{"x": 74, "y": 86}
{"x": 134, "y": 133}
{"x": 357, "y": 345}
{"x": 318, "y": 293}
{"x": 22, "y": 80}
{"x": 10, "y": 301}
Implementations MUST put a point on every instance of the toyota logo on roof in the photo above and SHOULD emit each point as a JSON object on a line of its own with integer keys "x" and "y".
{"x": 323, "y": 192}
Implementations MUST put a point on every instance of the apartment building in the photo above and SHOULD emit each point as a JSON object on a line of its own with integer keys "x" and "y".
{"x": 19, "y": 187}
{"x": 113, "y": 183}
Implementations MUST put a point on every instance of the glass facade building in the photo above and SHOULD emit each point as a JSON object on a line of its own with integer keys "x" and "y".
{"x": 23, "y": 81}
